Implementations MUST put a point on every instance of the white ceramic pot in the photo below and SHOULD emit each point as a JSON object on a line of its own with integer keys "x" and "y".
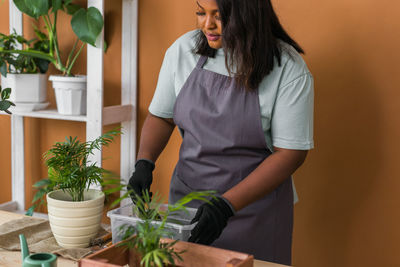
{"x": 70, "y": 94}
{"x": 29, "y": 88}
{"x": 74, "y": 224}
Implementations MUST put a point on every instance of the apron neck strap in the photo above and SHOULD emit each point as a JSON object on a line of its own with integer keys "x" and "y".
{"x": 201, "y": 62}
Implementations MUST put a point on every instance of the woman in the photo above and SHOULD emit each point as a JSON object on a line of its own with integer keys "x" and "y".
{"x": 242, "y": 98}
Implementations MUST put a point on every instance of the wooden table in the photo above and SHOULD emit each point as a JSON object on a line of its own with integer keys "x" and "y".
{"x": 13, "y": 258}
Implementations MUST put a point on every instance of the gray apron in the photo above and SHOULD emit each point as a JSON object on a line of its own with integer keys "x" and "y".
{"x": 223, "y": 142}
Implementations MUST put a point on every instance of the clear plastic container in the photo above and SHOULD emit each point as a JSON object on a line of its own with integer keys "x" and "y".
{"x": 177, "y": 224}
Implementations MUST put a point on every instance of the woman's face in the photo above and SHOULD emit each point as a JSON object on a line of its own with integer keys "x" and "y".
{"x": 209, "y": 22}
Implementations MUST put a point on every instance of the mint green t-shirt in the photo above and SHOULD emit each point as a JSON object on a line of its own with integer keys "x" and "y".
{"x": 286, "y": 94}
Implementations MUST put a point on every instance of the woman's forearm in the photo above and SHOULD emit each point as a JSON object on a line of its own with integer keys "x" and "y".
{"x": 154, "y": 137}
{"x": 266, "y": 177}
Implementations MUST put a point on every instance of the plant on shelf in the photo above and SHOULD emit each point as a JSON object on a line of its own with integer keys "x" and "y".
{"x": 87, "y": 25}
{"x": 5, "y": 104}
{"x": 18, "y": 63}
{"x": 146, "y": 236}
{"x": 72, "y": 204}
{"x": 24, "y": 73}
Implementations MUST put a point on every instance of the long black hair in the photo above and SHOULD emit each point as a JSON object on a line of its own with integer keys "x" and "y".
{"x": 251, "y": 33}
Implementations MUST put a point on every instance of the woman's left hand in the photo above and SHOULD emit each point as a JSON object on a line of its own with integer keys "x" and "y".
{"x": 212, "y": 219}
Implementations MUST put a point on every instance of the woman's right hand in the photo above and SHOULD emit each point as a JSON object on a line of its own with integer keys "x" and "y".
{"x": 141, "y": 178}
{"x": 154, "y": 137}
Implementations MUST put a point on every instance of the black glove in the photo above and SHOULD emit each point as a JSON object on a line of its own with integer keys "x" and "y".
{"x": 212, "y": 219}
{"x": 141, "y": 178}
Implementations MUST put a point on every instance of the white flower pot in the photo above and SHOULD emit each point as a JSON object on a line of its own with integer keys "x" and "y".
{"x": 27, "y": 88}
{"x": 70, "y": 94}
{"x": 74, "y": 224}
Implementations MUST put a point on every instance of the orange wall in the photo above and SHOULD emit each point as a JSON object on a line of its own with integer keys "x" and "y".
{"x": 5, "y": 124}
{"x": 348, "y": 214}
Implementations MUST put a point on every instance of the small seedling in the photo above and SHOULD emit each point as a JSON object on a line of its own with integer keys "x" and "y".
{"x": 146, "y": 235}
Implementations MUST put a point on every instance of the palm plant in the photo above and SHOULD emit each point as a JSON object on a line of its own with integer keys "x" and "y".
{"x": 146, "y": 236}
{"x": 70, "y": 169}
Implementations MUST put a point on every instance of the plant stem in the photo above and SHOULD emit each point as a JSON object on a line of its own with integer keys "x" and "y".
{"x": 55, "y": 39}
{"x": 72, "y": 52}
{"x": 50, "y": 35}
{"x": 32, "y": 53}
{"x": 68, "y": 72}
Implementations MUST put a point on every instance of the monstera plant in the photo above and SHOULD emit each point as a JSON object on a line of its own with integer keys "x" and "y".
{"x": 87, "y": 24}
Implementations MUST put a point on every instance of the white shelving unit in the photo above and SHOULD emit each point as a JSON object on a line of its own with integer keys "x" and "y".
{"x": 97, "y": 116}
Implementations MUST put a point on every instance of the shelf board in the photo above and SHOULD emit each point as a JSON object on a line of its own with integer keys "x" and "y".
{"x": 111, "y": 114}
{"x": 50, "y": 114}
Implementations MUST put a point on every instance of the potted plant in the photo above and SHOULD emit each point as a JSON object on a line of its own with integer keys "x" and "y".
{"x": 24, "y": 73}
{"x": 87, "y": 24}
{"x": 75, "y": 210}
{"x": 144, "y": 244}
{"x": 5, "y": 104}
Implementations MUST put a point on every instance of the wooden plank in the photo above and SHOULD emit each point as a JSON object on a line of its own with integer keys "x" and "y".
{"x": 50, "y": 114}
{"x": 117, "y": 114}
{"x": 17, "y": 161}
{"x": 17, "y": 128}
{"x": 129, "y": 86}
{"x": 195, "y": 255}
{"x": 117, "y": 256}
{"x": 95, "y": 86}
{"x": 15, "y": 19}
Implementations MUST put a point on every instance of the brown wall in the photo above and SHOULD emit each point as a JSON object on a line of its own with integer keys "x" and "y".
{"x": 348, "y": 214}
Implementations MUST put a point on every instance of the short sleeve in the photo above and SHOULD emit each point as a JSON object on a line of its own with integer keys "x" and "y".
{"x": 292, "y": 116}
{"x": 162, "y": 104}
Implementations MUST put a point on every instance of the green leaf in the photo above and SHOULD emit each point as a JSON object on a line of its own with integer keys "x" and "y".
{"x": 56, "y": 5}
{"x": 42, "y": 183}
{"x": 42, "y": 64}
{"x": 40, "y": 35}
{"x": 24, "y": 8}
{"x": 21, "y": 39}
{"x": 5, "y": 94}
{"x": 42, "y": 192}
{"x": 3, "y": 69}
{"x": 105, "y": 47}
{"x": 112, "y": 190}
{"x": 4, "y": 105}
{"x": 87, "y": 25}
{"x": 39, "y": 7}
{"x": 33, "y": 53}
{"x": 111, "y": 181}
{"x": 72, "y": 8}
{"x": 29, "y": 212}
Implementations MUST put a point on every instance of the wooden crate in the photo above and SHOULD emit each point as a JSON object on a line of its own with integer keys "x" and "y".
{"x": 195, "y": 256}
